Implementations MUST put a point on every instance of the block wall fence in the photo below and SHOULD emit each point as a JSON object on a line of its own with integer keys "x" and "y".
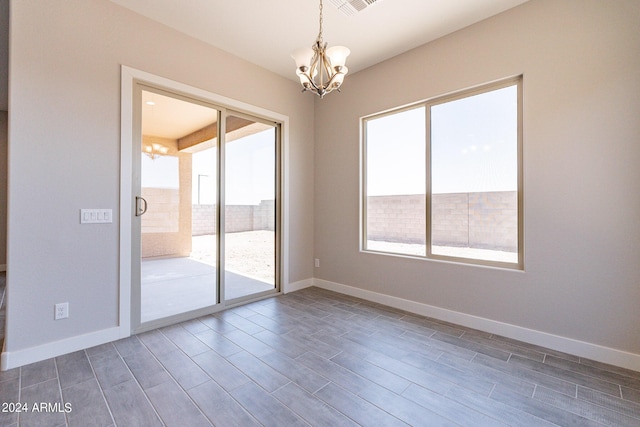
{"x": 486, "y": 220}
{"x": 237, "y": 218}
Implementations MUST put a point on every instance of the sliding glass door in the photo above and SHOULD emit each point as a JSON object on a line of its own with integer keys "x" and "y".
{"x": 205, "y": 228}
{"x": 250, "y": 207}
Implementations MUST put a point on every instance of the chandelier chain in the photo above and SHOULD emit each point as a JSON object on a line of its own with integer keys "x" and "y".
{"x": 320, "y": 33}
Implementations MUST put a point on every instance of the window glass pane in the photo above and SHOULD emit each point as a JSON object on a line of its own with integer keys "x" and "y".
{"x": 250, "y": 208}
{"x": 178, "y": 234}
{"x": 395, "y": 183}
{"x": 474, "y": 176}
{"x": 161, "y": 190}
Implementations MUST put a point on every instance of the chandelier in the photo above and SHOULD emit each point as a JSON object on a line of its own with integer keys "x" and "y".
{"x": 321, "y": 69}
{"x": 155, "y": 150}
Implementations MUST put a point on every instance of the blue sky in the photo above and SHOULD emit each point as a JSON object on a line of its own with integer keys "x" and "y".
{"x": 250, "y": 174}
{"x": 473, "y": 147}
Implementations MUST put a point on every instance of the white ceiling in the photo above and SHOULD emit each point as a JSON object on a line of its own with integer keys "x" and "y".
{"x": 265, "y": 32}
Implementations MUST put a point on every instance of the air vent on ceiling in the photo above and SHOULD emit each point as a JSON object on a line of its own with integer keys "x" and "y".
{"x": 351, "y": 7}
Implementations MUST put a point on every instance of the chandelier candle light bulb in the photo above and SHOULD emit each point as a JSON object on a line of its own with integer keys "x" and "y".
{"x": 155, "y": 150}
{"x": 321, "y": 69}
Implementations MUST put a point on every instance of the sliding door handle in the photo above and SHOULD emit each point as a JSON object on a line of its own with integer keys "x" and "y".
{"x": 141, "y": 208}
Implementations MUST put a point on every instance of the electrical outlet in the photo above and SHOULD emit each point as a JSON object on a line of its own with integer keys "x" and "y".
{"x": 61, "y": 311}
{"x": 317, "y": 262}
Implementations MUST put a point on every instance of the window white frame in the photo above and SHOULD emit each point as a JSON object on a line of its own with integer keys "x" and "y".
{"x": 427, "y": 104}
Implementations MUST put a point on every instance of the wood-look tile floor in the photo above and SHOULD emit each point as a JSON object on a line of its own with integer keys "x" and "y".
{"x": 314, "y": 357}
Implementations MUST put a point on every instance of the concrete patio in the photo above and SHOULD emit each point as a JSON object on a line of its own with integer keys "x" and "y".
{"x": 177, "y": 285}
{"x": 180, "y": 284}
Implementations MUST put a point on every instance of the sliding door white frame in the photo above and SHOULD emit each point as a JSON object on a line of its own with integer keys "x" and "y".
{"x": 129, "y": 78}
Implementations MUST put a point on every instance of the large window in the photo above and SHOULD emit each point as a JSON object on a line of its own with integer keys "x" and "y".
{"x": 442, "y": 179}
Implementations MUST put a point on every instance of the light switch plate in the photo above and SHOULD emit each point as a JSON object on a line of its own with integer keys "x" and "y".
{"x": 96, "y": 216}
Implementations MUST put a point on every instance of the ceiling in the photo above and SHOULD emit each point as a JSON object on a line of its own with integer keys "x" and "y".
{"x": 266, "y": 32}
{"x": 173, "y": 118}
{"x": 168, "y": 117}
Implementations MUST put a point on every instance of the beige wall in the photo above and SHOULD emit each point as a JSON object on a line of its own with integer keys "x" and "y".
{"x": 581, "y": 171}
{"x": 3, "y": 190}
{"x": 4, "y": 85}
{"x": 65, "y": 66}
{"x": 4, "y": 54}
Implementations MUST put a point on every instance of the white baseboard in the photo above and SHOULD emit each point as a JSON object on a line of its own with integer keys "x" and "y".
{"x": 14, "y": 359}
{"x": 596, "y": 352}
{"x": 555, "y": 342}
{"x": 296, "y": 286}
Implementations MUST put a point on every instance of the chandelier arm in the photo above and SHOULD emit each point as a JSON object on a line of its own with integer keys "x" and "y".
{"x": 314, "y": 64}
{"x": 330, "y": 82}
{"x": 326, "y": 66}
{"x": 312, "y": 84}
